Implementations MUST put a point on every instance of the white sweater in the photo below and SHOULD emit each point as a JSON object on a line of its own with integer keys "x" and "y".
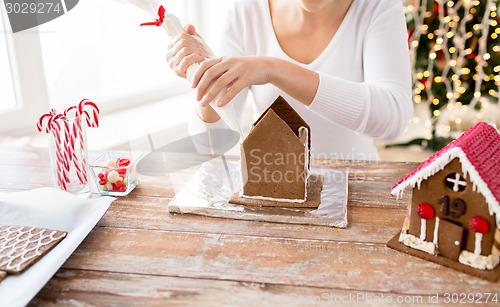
{"x": 365, "y": 79}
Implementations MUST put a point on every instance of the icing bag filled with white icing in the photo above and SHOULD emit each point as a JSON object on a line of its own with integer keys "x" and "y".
{"x": 173, "y": 26}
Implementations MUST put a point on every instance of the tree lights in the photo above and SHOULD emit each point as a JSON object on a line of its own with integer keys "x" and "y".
{"x": 455, "y": 57}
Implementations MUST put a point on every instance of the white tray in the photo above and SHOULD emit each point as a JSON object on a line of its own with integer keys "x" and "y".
{"x": 47, "y": 208}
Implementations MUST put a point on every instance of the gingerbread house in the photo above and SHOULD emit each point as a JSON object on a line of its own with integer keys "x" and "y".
{"x": 454, "y": 212}
{"x": 275, "y": 161}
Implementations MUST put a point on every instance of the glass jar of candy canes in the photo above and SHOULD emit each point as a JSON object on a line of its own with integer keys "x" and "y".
{"x": 68, "y": 145}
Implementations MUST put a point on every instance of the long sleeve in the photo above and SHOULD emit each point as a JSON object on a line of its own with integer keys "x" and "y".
{"x": 380, "y": 105}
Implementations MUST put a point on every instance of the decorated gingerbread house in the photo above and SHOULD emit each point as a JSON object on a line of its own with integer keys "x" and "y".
{"x": 454, "y": 212}
{"x": 275, "y": 161}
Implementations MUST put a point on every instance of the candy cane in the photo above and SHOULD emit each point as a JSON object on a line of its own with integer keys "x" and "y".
{"x": 51, "y": 125}
{"x": 43, "y": 121}
{"x": 67, "y": 151}
{"x": 62, "y": 178}
{"x": 77, "y": 133}
{"x": 58, "y": 126}
{"x": 92, "y": 121}
{"x": 81, "y": 169}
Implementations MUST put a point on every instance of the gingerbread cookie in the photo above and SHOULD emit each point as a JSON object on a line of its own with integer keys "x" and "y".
{"x": 22, "y": 246}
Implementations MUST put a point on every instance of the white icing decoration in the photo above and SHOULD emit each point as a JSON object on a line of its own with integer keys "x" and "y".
{"x": 243, "y": 168}
{"x": 436, "y": 230}
{"x": 479, "y": 241}
{"x": 417, "y": 243}
{"x": 456, "y": 182}
{"x": 478, "y": 184}
{"x": 288, "y": 200}
{"x": 306, "y": 162}
{"x": 479, "y": 261}
{"x": 403, "y": 234}
{"x": 423, "y": 229}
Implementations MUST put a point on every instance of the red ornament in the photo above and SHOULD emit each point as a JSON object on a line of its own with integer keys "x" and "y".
{"x": 472, "y": 56}
{"x": 410, "y": 34}
{"x": 437, "y": 8}
{"x": 425, "y": 211}
{"x": 479, "y": 224}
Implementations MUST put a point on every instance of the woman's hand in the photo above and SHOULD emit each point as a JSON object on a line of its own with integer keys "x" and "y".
{"x": 231, "y": 73}
{"x": 185, "y": 50}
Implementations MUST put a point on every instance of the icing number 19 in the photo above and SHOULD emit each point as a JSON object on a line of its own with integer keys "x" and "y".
{"x": 455, "y": 208}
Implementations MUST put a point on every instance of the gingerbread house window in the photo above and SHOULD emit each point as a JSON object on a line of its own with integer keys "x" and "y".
{"x": 455, "y": 182}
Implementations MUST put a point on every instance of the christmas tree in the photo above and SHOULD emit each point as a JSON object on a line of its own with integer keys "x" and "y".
{"x": 456, "y": 62}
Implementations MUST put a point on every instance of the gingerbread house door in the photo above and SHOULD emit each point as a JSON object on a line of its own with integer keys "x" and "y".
{"x": 450, "y": 237}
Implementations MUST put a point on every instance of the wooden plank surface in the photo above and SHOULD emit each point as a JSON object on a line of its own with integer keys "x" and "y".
{"x": 76, "y": 287}
{"x": 366, "y": 224}
{"x": 300, "y": 262}
{"x": 139, "y": 254}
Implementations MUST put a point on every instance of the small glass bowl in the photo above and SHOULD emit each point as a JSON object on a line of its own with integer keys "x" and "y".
{"x": 114, "y": 172}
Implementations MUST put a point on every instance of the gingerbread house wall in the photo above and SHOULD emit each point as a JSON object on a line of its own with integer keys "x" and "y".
{"x": 274, "y": 161}
{"x": 432, "y": 190}
{"x": 496, "y": 243}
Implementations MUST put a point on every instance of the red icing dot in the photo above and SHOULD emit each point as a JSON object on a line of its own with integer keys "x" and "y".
{"x": 479, "y": 224}
{"x": 425, "y": 211}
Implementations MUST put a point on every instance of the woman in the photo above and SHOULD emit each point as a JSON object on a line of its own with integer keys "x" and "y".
{"x": 342, "y": 64}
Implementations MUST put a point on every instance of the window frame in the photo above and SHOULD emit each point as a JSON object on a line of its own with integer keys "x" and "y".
{"x": 26, "y": 67}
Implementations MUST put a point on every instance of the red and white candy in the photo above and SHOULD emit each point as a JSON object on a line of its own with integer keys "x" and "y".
{"x": 114, "y": 179}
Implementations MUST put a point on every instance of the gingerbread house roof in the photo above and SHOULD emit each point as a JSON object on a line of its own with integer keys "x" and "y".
{"x": 288, "y": 114}
{"x": 478, "y": 151}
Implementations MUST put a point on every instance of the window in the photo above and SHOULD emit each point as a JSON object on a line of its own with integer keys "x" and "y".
{"x": 23, "y": 92}
{"x": 98, "y": 51}
{"x": 8, "y": 98}
{"x": 455, "y": 182}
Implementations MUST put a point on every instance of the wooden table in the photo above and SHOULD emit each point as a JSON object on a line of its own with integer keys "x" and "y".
{"x": 139, "y": 254}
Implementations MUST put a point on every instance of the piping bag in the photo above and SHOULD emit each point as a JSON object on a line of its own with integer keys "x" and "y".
{"x": 174, "y": 27}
